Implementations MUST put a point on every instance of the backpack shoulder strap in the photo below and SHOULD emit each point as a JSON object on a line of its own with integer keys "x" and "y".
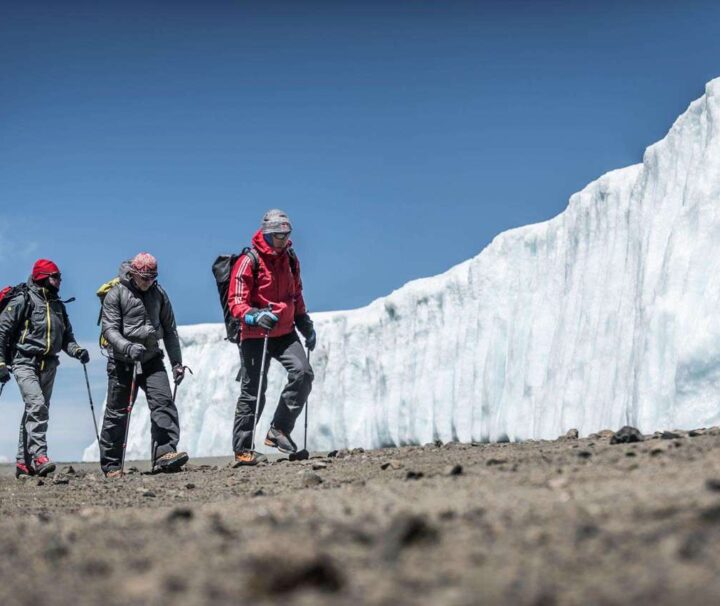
{"x": 293, "y": 261}
{"x": 27, "y": 302}
{"x": 163, "y": 296}
{"x": 251, "y": 254}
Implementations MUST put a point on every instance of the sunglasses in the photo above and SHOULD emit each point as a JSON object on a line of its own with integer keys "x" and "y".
{"x": 281, "y": 236}
{"x": 146, "y": 277}
{"x": 55, "y": 276}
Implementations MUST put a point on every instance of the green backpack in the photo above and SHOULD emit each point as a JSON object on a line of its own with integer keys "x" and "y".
{"x": 102, "y": 293}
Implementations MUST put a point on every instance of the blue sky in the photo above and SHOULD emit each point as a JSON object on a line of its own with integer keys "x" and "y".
{"x": 400, "y": 136}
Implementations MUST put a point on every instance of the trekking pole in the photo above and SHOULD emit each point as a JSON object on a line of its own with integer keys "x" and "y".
{"x": 92, "y": 408}
{"x": 307, "y": 403}
{"x": 137, "y": 370}
{"x": 2, "y": 386}
{"x": 176, "y": 385}
{"x": 257, "y": 400}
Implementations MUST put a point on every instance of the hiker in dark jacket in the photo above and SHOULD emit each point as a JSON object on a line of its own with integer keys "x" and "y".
{"x": 136, "y": 315}
{"x": 34, "y": 327}
{"x": 267, "y": 297}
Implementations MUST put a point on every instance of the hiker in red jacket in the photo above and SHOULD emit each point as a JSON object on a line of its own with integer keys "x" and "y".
{"x": 265, "y": 294}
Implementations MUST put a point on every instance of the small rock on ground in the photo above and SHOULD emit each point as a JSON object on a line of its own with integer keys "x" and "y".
{"x": 626, "y": 435}
{"x": 311, "y": 479}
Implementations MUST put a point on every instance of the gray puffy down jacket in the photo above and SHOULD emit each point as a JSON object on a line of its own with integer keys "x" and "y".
{"x": 132, "y": 316}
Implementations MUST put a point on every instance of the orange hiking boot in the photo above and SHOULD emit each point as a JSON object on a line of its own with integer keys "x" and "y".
{"x": 248, "y": 457}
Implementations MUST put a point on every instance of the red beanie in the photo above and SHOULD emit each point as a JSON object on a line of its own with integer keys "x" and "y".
{"x": 43, "y": 268}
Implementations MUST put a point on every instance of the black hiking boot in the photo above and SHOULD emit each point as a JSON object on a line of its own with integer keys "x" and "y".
{"x": 280, "y": 440}
{"x": 23, "y": 471}
{"x": 43, "y": 466}
{"x": 170, "y": 462}
{"x": 248, "y": 458}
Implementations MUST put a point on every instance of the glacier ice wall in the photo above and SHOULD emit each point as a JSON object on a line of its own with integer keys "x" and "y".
{"x": 602, "y": 316}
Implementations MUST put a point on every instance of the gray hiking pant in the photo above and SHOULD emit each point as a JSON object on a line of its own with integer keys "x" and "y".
{"x": 35, "y": 382}
{"x": 287, "y": 350}
{"x": 164, "y": 422}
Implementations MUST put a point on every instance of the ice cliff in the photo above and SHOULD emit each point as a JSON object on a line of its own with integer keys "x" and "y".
{"x": 602, "y": 316}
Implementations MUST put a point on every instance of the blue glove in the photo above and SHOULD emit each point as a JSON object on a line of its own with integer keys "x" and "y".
{"x": 263, "y": 318}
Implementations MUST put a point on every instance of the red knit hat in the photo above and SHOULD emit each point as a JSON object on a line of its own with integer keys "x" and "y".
{"x": 44, "y": 268}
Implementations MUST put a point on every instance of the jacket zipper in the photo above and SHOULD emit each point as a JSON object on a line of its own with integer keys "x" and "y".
{"x": 27, "y": 324}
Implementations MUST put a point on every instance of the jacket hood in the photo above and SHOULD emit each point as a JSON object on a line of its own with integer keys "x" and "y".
{"x": 264, "y": 248}
{"x": 124, "y": 271}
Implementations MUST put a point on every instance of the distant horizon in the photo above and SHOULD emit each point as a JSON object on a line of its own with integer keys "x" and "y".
{"x": 400, "y": 137}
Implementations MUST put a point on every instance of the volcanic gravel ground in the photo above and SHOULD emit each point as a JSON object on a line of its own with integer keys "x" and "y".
{"x": 538, "y": 523}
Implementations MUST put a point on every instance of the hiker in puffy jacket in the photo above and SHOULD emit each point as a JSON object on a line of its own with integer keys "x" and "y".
{"x": 136, "y": 315}
{"x": 266, "y": 295}
{"x": 34, "y": 327}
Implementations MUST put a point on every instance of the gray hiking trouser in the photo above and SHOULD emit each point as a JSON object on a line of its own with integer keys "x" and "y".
{"x": 35, "y": 382}
{"x": 164, "y": 422}
{"x": 287, "y": 350}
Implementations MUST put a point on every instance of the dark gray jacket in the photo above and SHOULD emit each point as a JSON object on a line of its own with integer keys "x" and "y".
{"x": 132, "y": 316}
{"x": 39, "y": 334}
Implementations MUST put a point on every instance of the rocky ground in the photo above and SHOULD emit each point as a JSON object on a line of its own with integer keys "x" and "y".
{"x": 539, "y": 523}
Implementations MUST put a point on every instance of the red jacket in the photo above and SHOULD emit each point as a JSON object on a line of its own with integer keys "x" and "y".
{"x": 276, "y": 286}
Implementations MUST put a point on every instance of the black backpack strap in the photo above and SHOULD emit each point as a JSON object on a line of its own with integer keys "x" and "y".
{"x": 293, "y": 261}
{"x": 251, "y": 254}
{"x": 27, "y": 302}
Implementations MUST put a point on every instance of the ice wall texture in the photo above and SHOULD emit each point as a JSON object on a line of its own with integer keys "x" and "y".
{"x": 605, "y": 315}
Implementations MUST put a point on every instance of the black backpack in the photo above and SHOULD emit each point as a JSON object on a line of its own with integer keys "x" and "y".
{"x": 222, "y": 268}
{"x": 7, "y": 294}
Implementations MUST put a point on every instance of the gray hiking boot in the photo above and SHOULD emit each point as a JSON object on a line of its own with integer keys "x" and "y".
{"x": 280, "y": 440}
{"x": 170, "y": 462}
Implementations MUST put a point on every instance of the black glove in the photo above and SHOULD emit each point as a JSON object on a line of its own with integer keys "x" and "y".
{"x": 83, "y": 355}
{"x": 178, "y": 373}
{"x": 306, "y": 327}
{"x": 311, "y": 341}
{"x": 4, "y": 373}
{"x": 135, "y": 352}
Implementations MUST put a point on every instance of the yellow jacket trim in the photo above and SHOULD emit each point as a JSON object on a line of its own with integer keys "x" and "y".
{"x": 47, "y": 309}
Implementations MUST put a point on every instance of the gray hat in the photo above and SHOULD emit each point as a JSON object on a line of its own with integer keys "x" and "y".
{"x": 276, "y": 221}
